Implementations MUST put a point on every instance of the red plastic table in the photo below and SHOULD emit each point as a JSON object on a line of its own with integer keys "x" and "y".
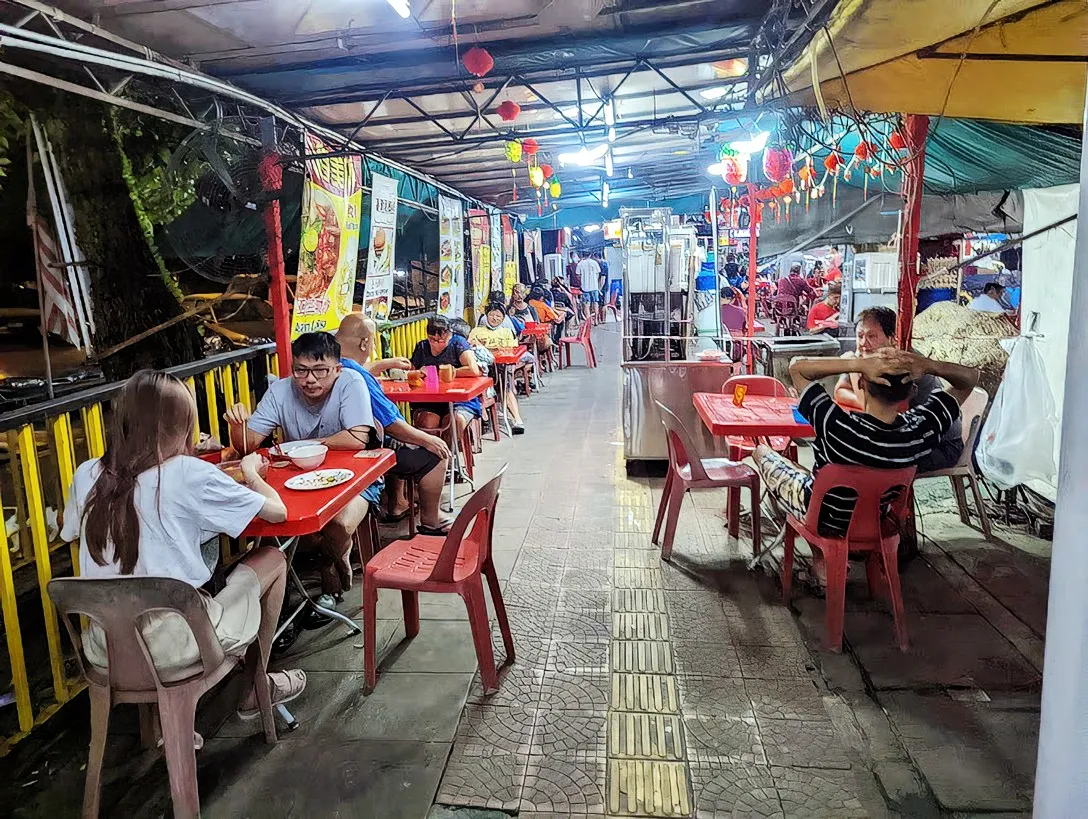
{"x": 760, "y": 415}
{"x": 447, "y": 392}
{"x": 506, "y": 357}
{"x": 509, "y": 355}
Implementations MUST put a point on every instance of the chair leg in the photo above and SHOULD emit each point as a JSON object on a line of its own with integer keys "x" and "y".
{"x": 177, "y": 711}
{"x": 789, "y": 536}
{"x": 757, "y": 515}
{"x": 890, "y": 552}
{"x": 370, "y": 634}
{"x": 500, "y": 609}
{"x": 661, "y": 507}
{"x": 481, "y": 635}
{"x": 410, "y": 602}
{"x": 983, "y": 516}
{"x": 874, "y": 578}
{"x": 960, "y": 492}
{"x": 733, "y": 501}
{"x": 676, "y": 500}
{"x": 837, "y": 561}
{"x": 257, "y": 672}
{"x": 466, "y": 452}
{"x": 100, "y": 724}
{"x": 493, "y": 410}
{"x": 149, "y": 725}
{"x": 411, "y": 489}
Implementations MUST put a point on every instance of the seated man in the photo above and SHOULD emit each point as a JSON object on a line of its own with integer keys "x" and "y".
{"x": 826, "y": 310}
{"x": 875, "y": 330}
{"x": 989, "y": 301}
{"x": 881, "y": 437}
{"x": 421, "y": 457}
{"x": 539, "y": 296}
{"x": 321, "y": 402}
{"x": 442, "y": 347}
{"x": 794, "y": 285}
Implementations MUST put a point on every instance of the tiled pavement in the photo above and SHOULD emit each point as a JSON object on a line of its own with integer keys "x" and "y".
{"x": 639, "y": 688}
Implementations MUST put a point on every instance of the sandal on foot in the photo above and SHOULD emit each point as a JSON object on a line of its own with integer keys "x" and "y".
{"x": 285, "y": 686}
{"x": 435, "y": 531}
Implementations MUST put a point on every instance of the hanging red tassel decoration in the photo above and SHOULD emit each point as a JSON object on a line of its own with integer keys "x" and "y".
{"x": 897, "y": 142}
{"x": 478, "y": 61}
{"x": 509, "y": 111}
{"x": 514, "y": 173}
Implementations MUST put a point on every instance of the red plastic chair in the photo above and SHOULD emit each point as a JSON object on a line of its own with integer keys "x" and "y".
{"x": 454, "y": 564}
{"x": 584, "y": 338}
{"x": 870, "y": 531}
{"x": 787, "y": 316}
{"x": 117, "y": 605}
{"x": 741, "y": 447}
{"x": 613, "y": 306}
{"x": 686, "y": 472}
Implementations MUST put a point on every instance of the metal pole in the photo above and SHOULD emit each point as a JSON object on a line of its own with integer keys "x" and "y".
{"x": 714, "y": 249}
{"x": 272, "y": 181}
{"x": 753, "y": 229}
{"x": 32, "y": 218}
{"x": 1061, "y": 776}
{"x": 916, "y": 129}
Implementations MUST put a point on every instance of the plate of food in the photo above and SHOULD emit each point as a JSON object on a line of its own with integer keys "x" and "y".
{"x": 319, "y": 479}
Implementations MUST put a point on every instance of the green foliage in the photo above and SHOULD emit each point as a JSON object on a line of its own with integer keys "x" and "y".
{"x": 11, "y": 123}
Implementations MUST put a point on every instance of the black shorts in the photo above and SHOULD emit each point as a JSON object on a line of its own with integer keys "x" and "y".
{"x": 413, "y": 462}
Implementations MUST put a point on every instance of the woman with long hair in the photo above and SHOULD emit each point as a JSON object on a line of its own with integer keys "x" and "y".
{"x": 146, "y": 507}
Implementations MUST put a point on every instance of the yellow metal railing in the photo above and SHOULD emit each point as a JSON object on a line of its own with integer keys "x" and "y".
{"x": 44, "y": 444}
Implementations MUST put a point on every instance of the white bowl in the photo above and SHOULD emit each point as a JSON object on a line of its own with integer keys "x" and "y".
{"x": 308, "y": 457}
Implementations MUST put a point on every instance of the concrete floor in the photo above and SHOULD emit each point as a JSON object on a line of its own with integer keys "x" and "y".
{"x": 640, "y": 688}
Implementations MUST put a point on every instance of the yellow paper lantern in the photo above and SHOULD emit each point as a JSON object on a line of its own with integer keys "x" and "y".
{"x": 536, "y": 176}
{"x": 513, "y": 150}
{"x": 555, "y": 189}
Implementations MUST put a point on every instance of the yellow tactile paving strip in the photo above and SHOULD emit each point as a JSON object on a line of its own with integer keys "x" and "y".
{"x": 647, "y": 771}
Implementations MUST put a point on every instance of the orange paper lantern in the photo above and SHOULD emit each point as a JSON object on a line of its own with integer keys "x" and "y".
{"x": 897, "y": 142}
{"x": 786, "y": 186}
{"x": 832, "y": 162}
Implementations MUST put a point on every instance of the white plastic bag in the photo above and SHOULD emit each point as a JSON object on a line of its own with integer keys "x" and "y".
{"x": 1017, "y": 442}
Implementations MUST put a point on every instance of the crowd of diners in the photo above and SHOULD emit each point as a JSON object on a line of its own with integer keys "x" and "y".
{"x": 151, "y": 507}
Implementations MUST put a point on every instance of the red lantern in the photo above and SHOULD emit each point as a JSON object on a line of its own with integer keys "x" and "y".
{"x": 530, "y": 146}
{"x": 509, "y": 111}
{"x": 777, "y": 163}
{"x": 478, "y": 61}
{"x": 897, "y": 142}
{"x": 734, "y": 172}
{"x": 547, "y": 169}
{"x": 786, "y": 186}
{"x": 832, "y": 162}
{"x": 864, "y": 151}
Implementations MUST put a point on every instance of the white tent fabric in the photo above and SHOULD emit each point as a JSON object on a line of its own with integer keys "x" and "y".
{"x": 1048, "y": 286}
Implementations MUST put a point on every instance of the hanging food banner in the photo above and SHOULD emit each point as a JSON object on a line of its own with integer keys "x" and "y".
{"x": 332, "y": 198}
{"x": 451, "y": 257}
{"x": 496, "y": 251}
{"x": 479, "y": 238}
{"x": 510, "y": 255}
{"x": 378, "y": 295}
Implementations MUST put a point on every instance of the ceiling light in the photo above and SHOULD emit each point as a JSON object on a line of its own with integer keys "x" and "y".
{"x": 681, "y": 152}
{"x": 402, "y": 8}
{"x": 611, "y": 134}
{"x": 604, "y": 195}
{"x": 585, "y": 156}
{"x": 609, "y": 113}
{"x": 591, "y": 228}
{"x": 608, "y": 168}
{"x": 630, "y": 174}
{"x": 715, "y": 169}
{"x": 715, "y": 93}
{"x": 753, "y": 145}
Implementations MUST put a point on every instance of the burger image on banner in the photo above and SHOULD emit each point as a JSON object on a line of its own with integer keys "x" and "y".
{"x": 378, "y": 294}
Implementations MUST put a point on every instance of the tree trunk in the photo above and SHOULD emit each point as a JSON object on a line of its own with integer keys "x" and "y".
{"x": 127, "y": 292}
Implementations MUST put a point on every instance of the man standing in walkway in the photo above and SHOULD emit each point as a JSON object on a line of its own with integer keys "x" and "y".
{"x": 589, "y": 272}
{"x": 421, "y": 457}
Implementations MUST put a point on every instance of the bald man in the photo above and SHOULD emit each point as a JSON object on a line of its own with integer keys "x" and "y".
{"x": 420, "y": 457}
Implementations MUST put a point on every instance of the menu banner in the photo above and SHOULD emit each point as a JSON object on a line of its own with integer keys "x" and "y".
{"x": 378, "y": 295}
{"x": 332, "y": 198}
{"x": 451, "y": 257}
{"x": 479, "y": 238}
{"x": 496, "y": 251}
{"x": 510, "y": 255}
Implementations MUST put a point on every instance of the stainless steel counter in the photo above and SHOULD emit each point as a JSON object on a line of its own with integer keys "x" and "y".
{"x": 673, "y": 384}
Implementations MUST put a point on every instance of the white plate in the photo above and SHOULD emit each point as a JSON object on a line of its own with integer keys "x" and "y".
{"x": 287, "y": 446}
{"x": 319, "y": 479}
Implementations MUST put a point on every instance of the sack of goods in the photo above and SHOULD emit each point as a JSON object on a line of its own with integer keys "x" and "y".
{"x": 948, "y": 332}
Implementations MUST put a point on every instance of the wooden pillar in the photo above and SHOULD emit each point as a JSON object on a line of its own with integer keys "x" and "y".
{"x": 271, "y": 173}
{"x": 916, "y": 129}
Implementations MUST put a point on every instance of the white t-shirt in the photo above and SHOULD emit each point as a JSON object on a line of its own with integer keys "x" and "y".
{"x": 180, "y": 505}
{"x": 986, "y": 304}
{"x": 590, "y": 273}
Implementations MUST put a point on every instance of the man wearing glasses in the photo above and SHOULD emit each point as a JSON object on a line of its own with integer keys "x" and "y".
{"x": 443, "y": 347}
{"x": 325, "y": 403}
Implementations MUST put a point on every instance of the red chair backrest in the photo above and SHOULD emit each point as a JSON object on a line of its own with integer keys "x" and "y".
{"x": 119, "y": 605}
{"x": 681, "y": 447}
{"x": 479, "y": 513}
{"x": 870, "y": 485}
{"x": 757, "y": 385}
{"x": 584, "y": 331}
{"x": 785, "y": 305}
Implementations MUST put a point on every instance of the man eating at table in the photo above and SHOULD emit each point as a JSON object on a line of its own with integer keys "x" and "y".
{"x": 442, "y": 347}
{"x": 881, "y": 437}
{"x": 421, "y": 457}
{"x": 319, "y": 402}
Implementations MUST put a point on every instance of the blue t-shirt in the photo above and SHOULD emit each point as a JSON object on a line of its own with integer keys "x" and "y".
{"x": 385, "y": 411}
{"x": 458, "y": 346}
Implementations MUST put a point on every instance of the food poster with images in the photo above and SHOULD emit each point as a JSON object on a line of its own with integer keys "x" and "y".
{"x": 496, "y": 252}
{"x": 332, "y": 198}
{"x": 451, "y": 257}
{"x": 479, "y": 238}
{"x": 510, "y": 256}
{"x": 378, "y": 294}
